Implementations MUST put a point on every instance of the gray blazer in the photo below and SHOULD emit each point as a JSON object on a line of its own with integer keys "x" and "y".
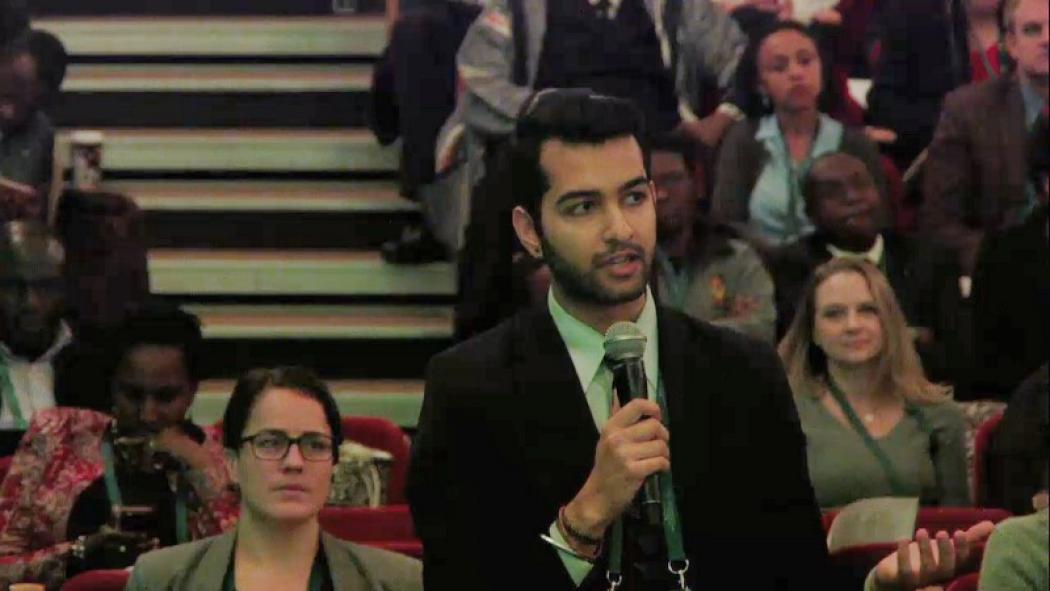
{"x": 202, "y": 565}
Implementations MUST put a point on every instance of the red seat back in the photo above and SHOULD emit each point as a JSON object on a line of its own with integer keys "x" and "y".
{"x": 981, "y": 441}
{"x": 965, "y": 583}
{"x": 98, "y": 580}
{"x": 902, "y": 212}
{"x": 388, "y": 527}
{"x": 383, "y": 434}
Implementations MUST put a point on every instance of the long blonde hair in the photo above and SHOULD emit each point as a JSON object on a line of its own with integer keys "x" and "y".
{"x": 899, "y": 371}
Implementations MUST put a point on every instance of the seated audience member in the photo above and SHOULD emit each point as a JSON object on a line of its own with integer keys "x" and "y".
{"x": 874, "y": 425}
{"x": 844, "y": 205}
{"x": 1018, "y": 553}
{"x": 282, "y": 435}
{"x": 30, "y": 73}
{"x": 926, "y": 49}
{"x": 1011, "y": 288}
{"x": 975, "y": 179}
{"x": 106, "y": 268}
{"x": 701, "y": 268}
{"x": 42, "y": 362}
{"x": 929, "y": 560}
{"x": 763, "y": 159}
{"x": 77, "y": 468}
{"x": 1017, "y": 453}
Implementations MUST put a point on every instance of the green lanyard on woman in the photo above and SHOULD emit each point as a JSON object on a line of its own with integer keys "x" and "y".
{"x": 7, "y": 390}
{"x": 116, "y": 499}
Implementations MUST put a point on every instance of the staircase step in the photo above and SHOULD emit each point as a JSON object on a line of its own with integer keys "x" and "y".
{"x": 217, "y": 78}
{"x": 230, "y": 36}
{"x": 240, "y": 150}
{"x": 195, "y": 7}
{"x": 214, "y": 95}
{"x": 359, "y": 342}
{"x": 396, "y": 400}
{"x": 293, "y": 273}
{"x": 272, "y": 214}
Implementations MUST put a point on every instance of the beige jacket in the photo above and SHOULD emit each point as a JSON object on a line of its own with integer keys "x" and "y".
{"x": 202, "y": 566}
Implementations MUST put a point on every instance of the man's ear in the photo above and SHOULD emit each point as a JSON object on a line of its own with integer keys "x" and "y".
{"x": 528, "y": 235}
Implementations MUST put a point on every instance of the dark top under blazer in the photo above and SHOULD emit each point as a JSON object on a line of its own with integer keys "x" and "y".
{"x": 506, "y": 437}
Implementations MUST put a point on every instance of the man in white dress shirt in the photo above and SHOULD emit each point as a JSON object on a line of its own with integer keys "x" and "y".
{"x": 35, "y": 340}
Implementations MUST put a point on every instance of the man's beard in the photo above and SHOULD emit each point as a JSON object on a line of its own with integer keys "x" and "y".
{"x": 29, "y": 344}
{"x": 584, "y": 286}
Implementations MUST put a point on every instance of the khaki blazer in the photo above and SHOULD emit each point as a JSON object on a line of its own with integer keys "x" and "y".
{"x": 202, "y": 566}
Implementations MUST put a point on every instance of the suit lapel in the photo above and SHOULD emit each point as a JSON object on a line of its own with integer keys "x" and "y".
{"x": 211, "y": 572}
{"x": 345, "y": 572}
{"x": 554, "y": 424}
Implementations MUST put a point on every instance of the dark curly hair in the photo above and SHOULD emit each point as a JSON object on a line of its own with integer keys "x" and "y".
{"x": 747, "y": 77}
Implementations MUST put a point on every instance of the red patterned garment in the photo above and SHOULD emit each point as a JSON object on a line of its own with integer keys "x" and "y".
{"x": 59, "y": 457}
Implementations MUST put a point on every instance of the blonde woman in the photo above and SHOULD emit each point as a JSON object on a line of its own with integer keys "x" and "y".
{"x": 874, "y": 425}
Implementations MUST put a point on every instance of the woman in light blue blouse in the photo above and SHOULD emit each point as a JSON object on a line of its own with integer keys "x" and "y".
{"x": 763, "y": 158}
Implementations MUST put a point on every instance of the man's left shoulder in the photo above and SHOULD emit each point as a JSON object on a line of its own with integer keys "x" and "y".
{"x": 716, "y": 343}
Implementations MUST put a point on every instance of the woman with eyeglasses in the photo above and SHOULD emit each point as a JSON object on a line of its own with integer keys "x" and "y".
{"x": 282, "y": 433}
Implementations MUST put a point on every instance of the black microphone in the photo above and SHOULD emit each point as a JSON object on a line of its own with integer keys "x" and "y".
{"x": 624, "y": 348}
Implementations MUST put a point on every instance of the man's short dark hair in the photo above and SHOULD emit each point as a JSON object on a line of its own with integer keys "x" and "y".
{"x": 50, "y": 58}
{"x": 255, "y": 382}
{"x": 571, "y": 115}
{"x": 160, "y": 323}
{"x": 677, "y": 144}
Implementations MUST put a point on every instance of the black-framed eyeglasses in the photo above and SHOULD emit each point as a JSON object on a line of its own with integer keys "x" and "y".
{"x": 274, "y": 445}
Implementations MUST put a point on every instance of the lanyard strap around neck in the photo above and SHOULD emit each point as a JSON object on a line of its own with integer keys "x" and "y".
{"x": 677, "y": 563}
{"x": 896, "y": 484}
{"x": 116, "y": 499}
{"x": 7, "y": 389}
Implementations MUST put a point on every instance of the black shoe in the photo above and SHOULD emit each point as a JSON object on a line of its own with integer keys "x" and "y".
{"x": 415, "y": 247}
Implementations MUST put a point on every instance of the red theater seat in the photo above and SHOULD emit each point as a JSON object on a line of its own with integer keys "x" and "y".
{"x": 383, "y": 434}
{"x": 387, "y": 527}
{"x": 982, "y": 439}
{"x": 965, "y": 583}
{"x": 98, "y": 580}
{"x": 5, "y": 465}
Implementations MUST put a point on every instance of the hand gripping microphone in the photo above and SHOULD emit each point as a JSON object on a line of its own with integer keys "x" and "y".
{"x": 624, "y": 348}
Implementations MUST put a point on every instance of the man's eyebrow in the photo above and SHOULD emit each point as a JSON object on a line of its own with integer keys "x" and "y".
{"x": 634, "y": 183}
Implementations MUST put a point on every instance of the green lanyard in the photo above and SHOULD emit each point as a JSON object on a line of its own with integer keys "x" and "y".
{"x": 10, "y": 399}
{"x": 317, "y": 575}
{"x": 677, "y": 563}
{"x": 182, "y": 534}
{"x": 894, "y": 478}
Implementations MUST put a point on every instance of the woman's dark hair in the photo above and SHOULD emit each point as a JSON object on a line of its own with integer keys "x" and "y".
{"x": 747, "y": 77}
{"x": 160, "y": 323}
{"x": 574, "y": 116}
{"x": 255, "y": 382}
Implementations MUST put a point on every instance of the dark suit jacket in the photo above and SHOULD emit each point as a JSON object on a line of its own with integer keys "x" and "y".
{"x": 1011, "y": 319}
{"x": 923, "y": 54}
{"x": 924, "y": 278}
{"x": 976, "y": 173}
{"x": 506, "y": 437}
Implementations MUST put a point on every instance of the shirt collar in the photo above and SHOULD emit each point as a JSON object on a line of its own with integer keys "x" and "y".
{"x": 827, "y": 138}
{"x": 873, "y": 255}
{"x": 1033, "y": 102}
{"x": 587, "y": 346}
{"x": 62, "y": 339}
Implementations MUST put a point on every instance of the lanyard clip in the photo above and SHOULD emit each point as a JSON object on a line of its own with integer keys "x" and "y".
{"x": 615, "y": 580}
{"x": 679, "y": 572}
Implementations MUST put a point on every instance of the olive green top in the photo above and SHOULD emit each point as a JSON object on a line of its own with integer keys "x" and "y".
{"x": 842, "y": 469}
{"x": 1018, "y": 555}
